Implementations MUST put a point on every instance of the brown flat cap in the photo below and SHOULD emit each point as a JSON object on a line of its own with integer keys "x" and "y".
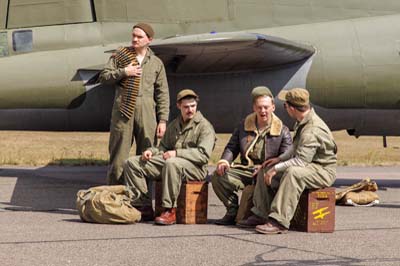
{"x": 146, "y": 28}
{"x": 184, "y": 93}
{"x": 261, "y": 91}
{"x": 295, "y": 96}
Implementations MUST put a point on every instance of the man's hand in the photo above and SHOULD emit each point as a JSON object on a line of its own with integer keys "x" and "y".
{"x": 269, "y": 175}
{"x": 271, "y": 162}
{"x": 161, "y": 127}
{"x": 257, "y": 169}
{"x": 169, "y": 154}
{"x": 222, "y": 168}
{"x": 146, "y": 155}
{"x": 132, "y": 70}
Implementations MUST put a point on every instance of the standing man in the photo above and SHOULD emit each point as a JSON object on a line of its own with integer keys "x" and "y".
{"x": 310, "y": 164}
{"x": 141, "y": 103}
{"x": 260, "y": 136}
{"x": 183, "y": 154}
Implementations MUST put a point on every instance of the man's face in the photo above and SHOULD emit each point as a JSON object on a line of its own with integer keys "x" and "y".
{"x": 289, "y": 109}
{"x": 263, "y": 107}
{"x": 140, "y": 39}
{"x": 188, "y": 108}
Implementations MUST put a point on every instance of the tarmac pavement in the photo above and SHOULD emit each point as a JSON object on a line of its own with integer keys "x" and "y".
{"x": 40, "y": 226}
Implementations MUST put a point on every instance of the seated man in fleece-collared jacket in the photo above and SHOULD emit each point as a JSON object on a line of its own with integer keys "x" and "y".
{"x": 260, "y": 136}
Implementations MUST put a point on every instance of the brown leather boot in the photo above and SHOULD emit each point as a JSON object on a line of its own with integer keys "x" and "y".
{"x": 271, "y": 227}
{"x": 167, "y": 217}
{"x": 252, "y": 221}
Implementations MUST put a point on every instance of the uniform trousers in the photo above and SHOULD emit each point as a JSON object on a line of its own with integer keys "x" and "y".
{"x": 281, "y": 205}
{"x": 141, "y": 127}
{"x": 227, "y": 186}
{"x": 171, "y": 172}
{"x": 262, "y": 192}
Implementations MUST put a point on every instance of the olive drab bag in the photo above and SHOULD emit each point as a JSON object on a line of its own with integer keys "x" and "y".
{"x": 107, "y": 205}
{"x": 359, "y": 194}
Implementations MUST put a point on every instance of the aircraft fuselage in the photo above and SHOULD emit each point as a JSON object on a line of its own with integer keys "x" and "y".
{"x": 352, "y": 77}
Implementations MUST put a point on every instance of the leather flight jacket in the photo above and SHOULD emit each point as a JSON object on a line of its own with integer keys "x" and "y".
{"x": 277, "y": 141}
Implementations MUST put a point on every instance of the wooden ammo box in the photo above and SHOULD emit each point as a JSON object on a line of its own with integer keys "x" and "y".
{"x": 315, "y": 211}
{"x": 192, "y": 202}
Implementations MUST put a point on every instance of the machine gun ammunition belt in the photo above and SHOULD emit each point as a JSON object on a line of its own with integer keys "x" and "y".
{"x": 130, "y": 85}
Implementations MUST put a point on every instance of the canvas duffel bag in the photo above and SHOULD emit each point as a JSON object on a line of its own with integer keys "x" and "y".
{"x": 107, "y": 205}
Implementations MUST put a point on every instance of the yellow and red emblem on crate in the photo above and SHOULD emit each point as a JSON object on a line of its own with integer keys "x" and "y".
{"x": 315, "y": 211}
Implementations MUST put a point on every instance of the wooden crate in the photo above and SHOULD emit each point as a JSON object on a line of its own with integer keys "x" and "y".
{"x": 192, "y": 202}
{"x": 315, "y": 211}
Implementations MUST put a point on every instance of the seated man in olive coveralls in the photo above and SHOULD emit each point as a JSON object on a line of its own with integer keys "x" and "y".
{"x": 309, "y": 164}
{"x": 183, "y": 154}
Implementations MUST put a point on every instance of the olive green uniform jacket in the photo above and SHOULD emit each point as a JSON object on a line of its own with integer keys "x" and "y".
{"x": 193, "y": 144}
{"x": 152, "y": 106}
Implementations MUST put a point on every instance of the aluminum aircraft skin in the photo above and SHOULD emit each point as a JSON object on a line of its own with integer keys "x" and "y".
{"x": 345, "y": 52}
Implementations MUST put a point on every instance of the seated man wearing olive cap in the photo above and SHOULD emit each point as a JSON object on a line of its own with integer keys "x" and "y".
{"x": 260, "y": 136}
{"x": 309, "y": 164}
{"x": 183, "y": 154}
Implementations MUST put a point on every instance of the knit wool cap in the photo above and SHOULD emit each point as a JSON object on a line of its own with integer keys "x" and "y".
{"x": 261, "y": 91}
{"x": 146, "y": 28}
{"x": 296, "y": 96}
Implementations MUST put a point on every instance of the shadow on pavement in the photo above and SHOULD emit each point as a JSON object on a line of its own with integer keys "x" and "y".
{"x": 260, "y": 260}
{"x": 385, "y": 205}
{"x": 73, "y": 220}
{"x": 54, "y": 188}
{"x": 47, "y": 188}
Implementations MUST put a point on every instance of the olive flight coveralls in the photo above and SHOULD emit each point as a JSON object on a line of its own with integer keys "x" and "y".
{"x": 152, "y": 106}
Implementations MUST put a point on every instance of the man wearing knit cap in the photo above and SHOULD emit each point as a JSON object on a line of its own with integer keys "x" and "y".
{"x": 141, "y": 103}
{"x": 309, "y": 164}
{"x": 260, "y": 136}
{"x": 183, "y": 154}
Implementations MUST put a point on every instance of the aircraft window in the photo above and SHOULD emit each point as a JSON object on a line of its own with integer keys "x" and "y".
{"x": 3, "y": 44}
{"x": 22, "y": 41}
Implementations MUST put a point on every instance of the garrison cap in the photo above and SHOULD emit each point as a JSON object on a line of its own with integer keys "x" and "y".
{"x": 296, "y": 96}
{"x": 184, "y": 93}
{"x": 261, "y": 91}
{"x": 146, "y": 28}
